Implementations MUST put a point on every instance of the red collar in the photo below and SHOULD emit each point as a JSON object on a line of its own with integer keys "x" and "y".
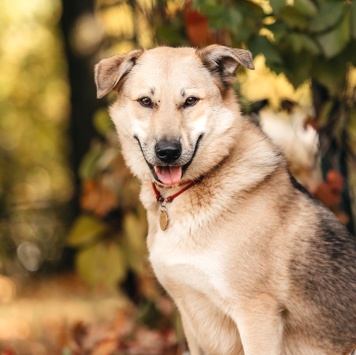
{"x": 161, "y": 199}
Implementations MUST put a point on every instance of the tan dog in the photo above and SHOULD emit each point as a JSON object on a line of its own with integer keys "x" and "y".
{"x": 254, "y": 264}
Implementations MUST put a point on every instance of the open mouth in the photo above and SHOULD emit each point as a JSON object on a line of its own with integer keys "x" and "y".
{"x": 170, "y": 174}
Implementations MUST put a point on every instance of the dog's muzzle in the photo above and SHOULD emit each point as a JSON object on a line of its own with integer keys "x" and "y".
{"x": 168, "y": 169}
{"x": 168, "y": 152}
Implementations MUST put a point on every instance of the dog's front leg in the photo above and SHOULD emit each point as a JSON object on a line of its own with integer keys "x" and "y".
{"x": 194, "y": 348}
{"x": 261, "y": 327}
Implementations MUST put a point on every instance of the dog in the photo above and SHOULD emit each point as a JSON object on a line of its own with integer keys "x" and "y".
{"x": 254, "y": 264}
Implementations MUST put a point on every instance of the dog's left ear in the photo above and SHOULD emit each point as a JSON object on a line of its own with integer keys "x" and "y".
{"x": 224, "y": 61}
{"x": 110, "y": 71}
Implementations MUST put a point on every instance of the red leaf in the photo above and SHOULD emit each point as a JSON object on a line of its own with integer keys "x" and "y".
{"x": 196, "y": 26}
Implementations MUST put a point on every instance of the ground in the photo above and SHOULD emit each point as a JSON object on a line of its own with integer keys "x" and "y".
{"x": 61, "y": 315}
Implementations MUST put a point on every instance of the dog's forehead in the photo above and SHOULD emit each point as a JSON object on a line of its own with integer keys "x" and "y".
{"x": 169, "y": 56}
{"x": 173, "y": 66}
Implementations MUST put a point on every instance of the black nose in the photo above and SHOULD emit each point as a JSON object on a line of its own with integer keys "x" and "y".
{"x": 168, "y": 151}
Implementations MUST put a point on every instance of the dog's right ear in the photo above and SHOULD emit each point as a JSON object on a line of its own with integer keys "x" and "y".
{"x": 108, "y": 72}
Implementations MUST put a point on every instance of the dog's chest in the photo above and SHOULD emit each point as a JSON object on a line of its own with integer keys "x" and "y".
{"x": 197, "y": 281}
{"x": 179, "y": 262}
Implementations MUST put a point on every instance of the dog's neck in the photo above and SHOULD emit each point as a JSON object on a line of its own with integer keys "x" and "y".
{"x": 170, "y": 198}
{"x": 253, "y": 158}
{"x": 250, "y": 161}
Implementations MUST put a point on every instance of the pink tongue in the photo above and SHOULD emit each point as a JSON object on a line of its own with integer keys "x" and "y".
{"x": 169, "y": 175}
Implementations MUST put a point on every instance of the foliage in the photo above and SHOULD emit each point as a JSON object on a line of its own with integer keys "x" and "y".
{"x": 35, "y": 182}
{"x": 285, "y": 33}
{"x": 110, "y": 234}
{"x": 309, "y": 41}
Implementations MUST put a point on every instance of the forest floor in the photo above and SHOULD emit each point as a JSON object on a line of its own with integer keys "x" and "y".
{"x": 61, "y": 315}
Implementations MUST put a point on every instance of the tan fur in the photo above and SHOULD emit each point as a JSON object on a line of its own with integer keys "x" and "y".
{"x": 240, "y": 236}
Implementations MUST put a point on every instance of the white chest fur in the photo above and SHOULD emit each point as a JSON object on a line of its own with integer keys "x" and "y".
{"x": 174, "y": 260}
{"x": 189, "y": 253}
{"x": 192, "y": 271}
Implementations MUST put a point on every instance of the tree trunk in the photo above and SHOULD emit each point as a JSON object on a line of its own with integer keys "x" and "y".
{"x": 82, "y": 98}
{"x": 334, "y": 154}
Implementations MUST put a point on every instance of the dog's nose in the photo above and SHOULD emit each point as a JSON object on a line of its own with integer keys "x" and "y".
{"x": 168, "y": 151}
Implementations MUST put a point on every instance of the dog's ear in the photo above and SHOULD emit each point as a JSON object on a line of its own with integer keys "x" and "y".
{"x": 108, "y": 72}
{"x": 223, "y": 61}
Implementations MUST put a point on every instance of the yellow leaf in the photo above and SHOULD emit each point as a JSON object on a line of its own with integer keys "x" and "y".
{"x": 86, "y": 229}
{"x": 103, "y": 264}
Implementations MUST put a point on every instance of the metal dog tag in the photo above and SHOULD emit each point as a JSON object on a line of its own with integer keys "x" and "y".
{"x": 163, "y": 219}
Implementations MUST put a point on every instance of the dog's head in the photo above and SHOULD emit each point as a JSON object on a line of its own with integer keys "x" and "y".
{"x": 175, "y": 114}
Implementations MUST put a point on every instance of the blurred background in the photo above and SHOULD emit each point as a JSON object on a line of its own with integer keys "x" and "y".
{"x": 73, "y": 272}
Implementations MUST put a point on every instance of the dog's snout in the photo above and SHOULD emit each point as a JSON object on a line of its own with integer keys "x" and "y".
{"x": 168, "y": 151}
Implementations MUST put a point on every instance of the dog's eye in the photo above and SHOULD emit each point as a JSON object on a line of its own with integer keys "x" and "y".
{"x": 190, "y": 101}
{"x": 145, "y": 102}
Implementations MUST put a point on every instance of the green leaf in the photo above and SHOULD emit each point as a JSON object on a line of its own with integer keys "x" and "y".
{"x": 277, "y": 5}
{"x": 333, "y": 42}
{"x": 198, "y": 4}
{"x": 103, "y": 264}
{"x": 85, "y": 230}
{"x": 253, "y": 16}
{"x": 134, "y": 241}
{"x": 216, "y": 13}
{"x": 135, "y": 229}
{"x": 293, "y": 18}
{"x": 306, "y": 7}
{"x": 297, "y": 70}
{"x": 352, "y": 125}
{"x": 330, "y": 73}
{"x": 353, "y": 18}
{"x": 170, "y": 35}
{"x": 251, "y": 9}
{"x": 279, "y": 30}
{"x": 234, "y": 20}
{"x": 325, "y": 113}
{"x": 150, "y": 315}
{"x": 102, "y": 122}
{"x": 246, "y": 30}
{"x": 349, "y": 52}
{"x": 261, "y": 45}
{"x": 88, "y": 166}
{"x": 301, "y": 41}
{"x": 330, "y": 13}
{"x": 107, "y": 158}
